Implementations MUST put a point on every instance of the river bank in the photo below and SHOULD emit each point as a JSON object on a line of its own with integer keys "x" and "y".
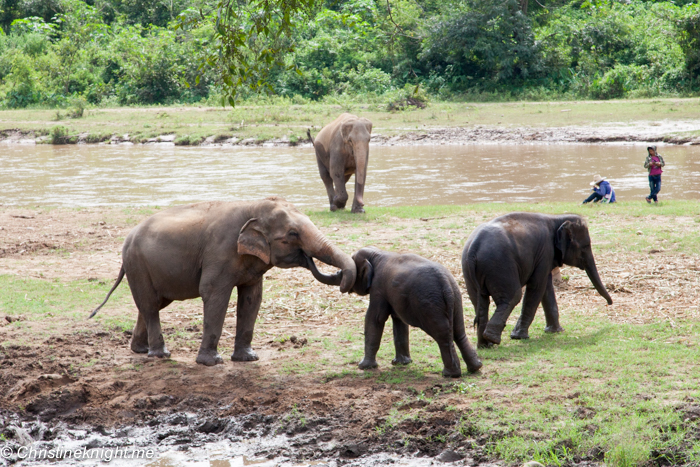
{"x": 672, "y": 121}
{"x": 617, "y": 387}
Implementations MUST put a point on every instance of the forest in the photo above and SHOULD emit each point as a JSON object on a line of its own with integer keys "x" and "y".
{"x": 55, "y": 53}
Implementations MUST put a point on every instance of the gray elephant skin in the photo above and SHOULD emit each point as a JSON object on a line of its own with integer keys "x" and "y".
{"x": 342, "y": 149}
{"x": 521, "y": 249}
{"x": 207, "y": 249}
{"x": 414, "y": 292}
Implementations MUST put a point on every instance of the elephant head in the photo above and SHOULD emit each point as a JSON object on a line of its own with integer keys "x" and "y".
{"x": 573, "y": 247}
{"x": 281, "y": 236}
{"x": 365, "y": 272}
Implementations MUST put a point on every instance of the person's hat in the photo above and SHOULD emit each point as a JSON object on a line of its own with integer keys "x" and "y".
{"x": 597, "y": 179}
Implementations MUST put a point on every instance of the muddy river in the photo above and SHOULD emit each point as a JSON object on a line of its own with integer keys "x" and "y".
{"x": 164, "y": 174}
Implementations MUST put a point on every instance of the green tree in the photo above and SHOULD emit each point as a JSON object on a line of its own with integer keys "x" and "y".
{"x": 485, "y": 43}
{"x": 251, "y": 39}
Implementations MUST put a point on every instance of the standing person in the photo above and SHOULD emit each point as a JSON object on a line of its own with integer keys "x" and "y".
{"x": 602, "y": 190}
{"x": 653, "y": 164}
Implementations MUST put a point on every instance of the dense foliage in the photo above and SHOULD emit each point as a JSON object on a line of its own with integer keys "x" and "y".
{"x": 54, "y": 52}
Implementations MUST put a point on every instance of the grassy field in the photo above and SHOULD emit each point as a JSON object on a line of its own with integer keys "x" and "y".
{"x": 280, "y": 119}
{"x": 619, "y": 386}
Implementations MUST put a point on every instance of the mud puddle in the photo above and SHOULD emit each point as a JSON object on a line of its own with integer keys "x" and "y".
{"x": 91, "y": 175}
{"x": 187, "y": 439}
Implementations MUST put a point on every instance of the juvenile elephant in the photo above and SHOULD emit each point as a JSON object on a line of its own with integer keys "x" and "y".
{"x": 521, "y": 249}
{"x": 415, "y": 292}
{"x": 342, "y": 149}
{"x": 207, "y": 249}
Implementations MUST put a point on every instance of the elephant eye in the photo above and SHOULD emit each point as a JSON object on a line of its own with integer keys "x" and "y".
{"x": 293, "y": 234}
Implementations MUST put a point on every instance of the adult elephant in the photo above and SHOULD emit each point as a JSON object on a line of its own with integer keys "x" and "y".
{"x": 207, "y": 249}
{"x": 521, "y": 249}
{"x": 342, "y": 149}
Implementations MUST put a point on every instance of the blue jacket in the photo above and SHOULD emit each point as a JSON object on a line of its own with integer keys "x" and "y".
{"x": 605, "y": 190}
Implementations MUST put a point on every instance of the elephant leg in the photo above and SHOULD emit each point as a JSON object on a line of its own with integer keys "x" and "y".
{"x": 450, "y": 360}
{"x": 340, "y": 198}
{"x": 328, "y": 182}
{"x": 504, "y": 307}
{"x": 551, "y": 309}
{"x": 139, "y": 338}
{"x": 460, "y": 336}
{"x": 215, "y": 300}
{"x": 147, "y": 327}
{"x": 249, "y": 299}
{"x": 358, "y": 199}
{"x": 481, "y": 319}
{"x": 375, "y": 318}
{"x": 532, "y": 299}
{"x": 403, "y": 354}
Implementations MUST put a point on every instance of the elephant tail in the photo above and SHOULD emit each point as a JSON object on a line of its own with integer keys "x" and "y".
{"x": 308, "y": 133}
{"x": 119, "y": 279}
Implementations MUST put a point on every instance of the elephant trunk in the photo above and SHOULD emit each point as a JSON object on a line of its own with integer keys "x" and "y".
{"x": 592, "y": 273}
{"x": 319, "y": 247}
{"x": 328, "y": 279}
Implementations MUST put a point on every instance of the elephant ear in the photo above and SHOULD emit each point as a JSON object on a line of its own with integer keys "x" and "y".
{"x": 345, "y": 130}
{"x": 252, "y": 241}
{"x": 561, "y": 240}
{"x": 366, "y": 274}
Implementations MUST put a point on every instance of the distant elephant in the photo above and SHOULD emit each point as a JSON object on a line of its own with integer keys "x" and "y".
{"x": 521, "y": 249}
{"x": 414, "y": 292}
{"x": 207, "y": 249}
{"x": 342, "y": 149}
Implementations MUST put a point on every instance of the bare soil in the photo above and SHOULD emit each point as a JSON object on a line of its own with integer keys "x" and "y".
{"x": 83, "y": 372}
{"x": 668, "y": 132}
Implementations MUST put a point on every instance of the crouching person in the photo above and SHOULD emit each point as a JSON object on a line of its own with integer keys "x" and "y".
{"x": 414, "y": 292}
{"x": 602, "y": 191}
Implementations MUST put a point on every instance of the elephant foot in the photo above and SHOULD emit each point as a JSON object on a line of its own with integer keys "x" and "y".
{"x": 494, "y": 338}
{"x": 553, "y": 329}
{"x": 358, "y": 210}
{"x": 209, "y": 358}
{"x": 333, "y": 208}
{"x": 484, "y": 344}
{"x": 367, "y": 364}
{"x": 244, "y": 355}
{"x": 519, "y": 335}
{"x": 159, "y": 353}
{"x": 474, "y": 366}
{"x": 139, "y": 347}
{"x": 451, "y": 373}
{"x": 401, "y": 360}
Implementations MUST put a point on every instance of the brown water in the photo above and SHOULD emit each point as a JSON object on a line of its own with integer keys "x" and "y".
{"x": 445, "y": 174}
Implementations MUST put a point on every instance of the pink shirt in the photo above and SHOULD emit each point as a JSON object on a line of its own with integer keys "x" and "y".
{"x": 655, "y": 170}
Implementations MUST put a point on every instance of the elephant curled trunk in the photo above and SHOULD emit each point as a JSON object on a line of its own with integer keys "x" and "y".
{"x": 324, "y": 251}
{"x": 328, "y": 279}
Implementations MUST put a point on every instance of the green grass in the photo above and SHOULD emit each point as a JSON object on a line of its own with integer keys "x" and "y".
{"x": 281, "y": 118}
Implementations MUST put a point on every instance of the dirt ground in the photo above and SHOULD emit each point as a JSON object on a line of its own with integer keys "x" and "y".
{"x": 82, "y": 372}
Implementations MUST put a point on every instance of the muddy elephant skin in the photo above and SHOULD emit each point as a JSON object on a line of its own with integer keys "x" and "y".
{"x": 342, "y": 149}
{"x": 207, "y": 249}
{"x": 522, "y": 249}
{"x": 414, "y": 292}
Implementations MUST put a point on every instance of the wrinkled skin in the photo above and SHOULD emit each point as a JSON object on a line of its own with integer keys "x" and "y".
{"x": 414, "y": 292}
{"x": 207, "y": 249}
{"x": 522, "y": 249}
{"x": 342, "y": 149}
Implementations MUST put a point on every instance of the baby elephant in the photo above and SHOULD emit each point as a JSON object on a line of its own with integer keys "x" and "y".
{"x": 413, "y": 291}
